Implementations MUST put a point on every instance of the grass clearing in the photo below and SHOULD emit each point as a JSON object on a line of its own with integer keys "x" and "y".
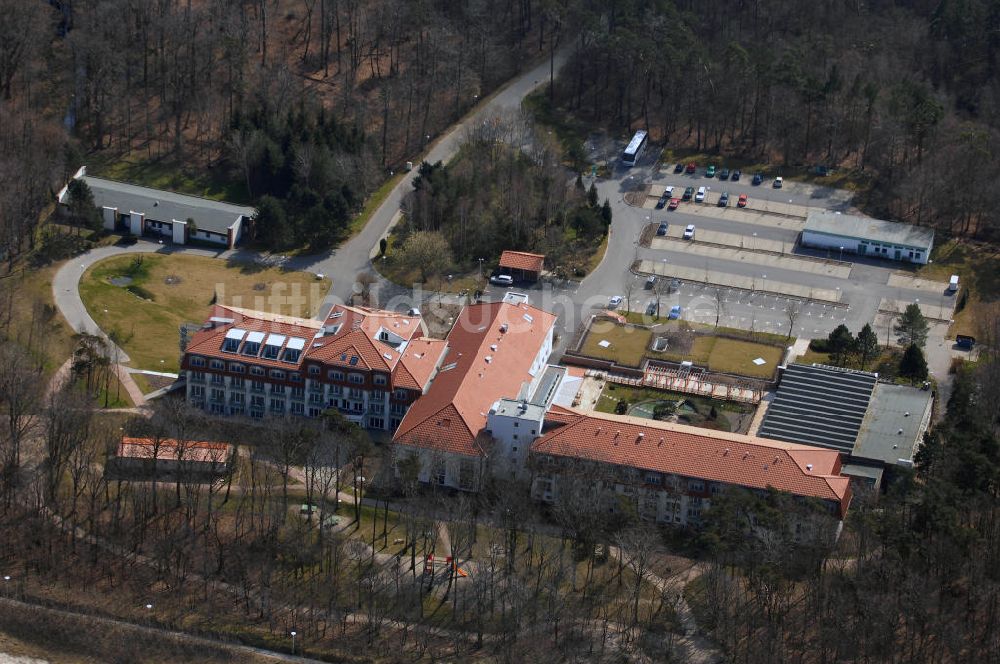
{"x": 736, "y": 357}
{"x": 627, "y": 345}
{"x": 171, "y": 176}
{"x": 34, "y": 320}
{"x": 149, "y": 329}
{"x": 374, "y": 201}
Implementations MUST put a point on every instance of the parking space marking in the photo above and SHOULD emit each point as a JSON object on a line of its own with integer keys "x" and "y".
{"x": 785, "y": 262}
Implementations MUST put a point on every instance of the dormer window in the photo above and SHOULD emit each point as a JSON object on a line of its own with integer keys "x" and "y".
{"x": 233, "y": 339}
{"x": 291, "y": 355}
{"x": 293, "y": 350}
{"x": 273, "y": 346}
{"x": 252, "y": 345}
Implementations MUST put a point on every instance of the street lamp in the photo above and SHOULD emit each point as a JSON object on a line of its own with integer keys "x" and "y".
{"x": 754, "y": 242}
{"x": 763, "y": 286}
{"x": 841, "y": 254}
{"x": 293, "y": 633}
{"x": 480, "y": 269}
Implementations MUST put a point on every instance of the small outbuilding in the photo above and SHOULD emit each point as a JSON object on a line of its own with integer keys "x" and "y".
{"x": 521, "y": 265}
{"x": 193, "y": 461}
{"x": 865, "y": 236}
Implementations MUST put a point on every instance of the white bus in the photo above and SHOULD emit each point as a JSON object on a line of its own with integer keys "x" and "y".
{"x": 635, "y": 148}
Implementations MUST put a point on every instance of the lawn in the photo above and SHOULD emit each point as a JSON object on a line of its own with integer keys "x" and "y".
{"x": 697, "y": 412}
{"x": 168, "y": 291}
{"x": 34, "y": 320}
{"x": 627, "y": 344}
{"x": 736, "y": 357}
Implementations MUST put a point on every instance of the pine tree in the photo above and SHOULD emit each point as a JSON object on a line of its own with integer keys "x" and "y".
{"x": 913, "y": 365}
{"x": 912, "y": 327}
{"x": 867, "y": 345}
{"x": 606, "y": 212}
{"x": 592, "y": 198}
{"x": 840, "y": 343}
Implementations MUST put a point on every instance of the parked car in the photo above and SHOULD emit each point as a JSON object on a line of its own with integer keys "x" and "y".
{"x": 710, "y": 171}
{"x": 758, "y": 178}
{"x": 736, "y": 175}
{"x": 777, "y": 182}
{"x": 674, "y": 202}
{"x": 662, "y": 229}
{"x": 668, "y": 192}
{"x": 502, "y": 280}
{"x": 724, "y": 199}
{"x": 742, "y": 202}
{"x": 651, "y": 308}
{"x": 700, "y": 196}
{"x": 650, "y": 282}
{"x": 689, "y": 232}
{"x": 663, "y": 201}
{"x": 675, "y": 285}
{"x": 724, "y": 174}
{"x": 692, "y": 167}
{"x": 688, "y": 193}
{"x": 615, "y": 302}
{"x": 675, "y": 312}
{"x": 679, "y": 168}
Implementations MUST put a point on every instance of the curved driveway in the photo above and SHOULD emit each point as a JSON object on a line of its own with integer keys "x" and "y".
{"x": 341, "y": 265}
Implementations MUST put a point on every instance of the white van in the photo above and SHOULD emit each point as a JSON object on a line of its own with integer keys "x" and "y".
{"x": 700, "y": 196}
{"x": 953, "y": 284}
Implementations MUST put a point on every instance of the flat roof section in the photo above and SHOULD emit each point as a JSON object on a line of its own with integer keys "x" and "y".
{"x": 819, "y": 405}
{"x": 897, "y": 419}
{"x": 866, "y": 228}
{"x": 160, "y": 205}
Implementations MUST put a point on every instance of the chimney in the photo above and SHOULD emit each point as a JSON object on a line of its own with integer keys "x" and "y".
{"x": 725, "y": 452}
{"x": 809, "y": 467}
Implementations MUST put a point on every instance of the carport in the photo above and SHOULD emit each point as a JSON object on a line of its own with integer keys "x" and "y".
{"x": 522, "y": 265}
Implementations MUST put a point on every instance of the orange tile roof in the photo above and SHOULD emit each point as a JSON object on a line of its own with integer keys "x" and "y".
{"x": 208, "y": 342}
{"x": 714, "y": 456}
{"x": 521, "y": 260}
{"x": 168, "y": 450}
{"x": 482, "y": 365}
{"x": 420, "y": 360}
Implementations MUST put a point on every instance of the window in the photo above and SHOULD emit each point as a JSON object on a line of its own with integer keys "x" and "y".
{"x": 357, "y": 379}
{"x": 516, "y": 425}
{"x": 218, "y": 379}
{"x": 696, "y": 485}
{"x": 514, "y": 449}
{"x": 397, "y": 409}
{"x": 336, "y": 389}
{"x": 277, "y": 405}
{"x": 377, "y": 408}
{"x": 218, "y": 364}
{"x": 231, "y": 345}
{"x": 257, "y": 371}
{"x": 238, "y": 397}
{"x": 314, "y": 370}
{"x": 439, "y": 472}
{"x": 380, "y": 379}
{"x": 466, "y": 474}
{"x": 314, "y": 412}
{"x": 715, "y": 488}
{"x": 298, "y": 408}
{"x": 251, "y": 348}
{"x": 277, "y": 389}
{"x": 515, "y": 436}
{"x": 236, "y": 383}
{"x": 277, "y": 374}
{"x": 295, "y": 377}
{"x": 271, "y": 352}
{"x": 654, "y": 478}
{"x": 197, "y": 391}
{"x": 358, "y": 407}
{"x": 218, "y": 395}
{"x": 355, "y": 393}
{"x": 257, "y": 401}
{"x": 197, "y": 361}
{"x": 236, "y": 367}
{"x": 399, "y": 395}
{"x": 257, "y": 386}
{"x": 298, "y": 393}
{"x": 335, "y": 375}
{"x": 292, "y": 355}
{"x": 315, "y": 398}
{"x": 376, "y": 423}
{"x": 198, "y": 376}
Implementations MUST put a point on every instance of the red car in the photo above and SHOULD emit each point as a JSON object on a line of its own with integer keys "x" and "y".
{"x": 692, "y": 167}
{"x": 742, "y": 202}
{"x": 674, "y": 202}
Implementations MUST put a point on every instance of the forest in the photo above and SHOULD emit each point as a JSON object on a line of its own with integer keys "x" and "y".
{"x": 903, "y": 97}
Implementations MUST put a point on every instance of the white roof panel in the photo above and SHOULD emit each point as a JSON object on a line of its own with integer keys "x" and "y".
{"x": 275, "y": 340}
{"x": 296, "y": 343}
{"x": 235, "y": 333}
{"x": 255, "y": 337}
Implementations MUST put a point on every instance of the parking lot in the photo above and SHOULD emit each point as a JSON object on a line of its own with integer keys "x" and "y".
{"x": 750, "y": 255}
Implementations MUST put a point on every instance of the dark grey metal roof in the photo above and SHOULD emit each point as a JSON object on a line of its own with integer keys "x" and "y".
{"x": 161, "y": 205}
{"x": 866, "y": 228}
{"x": 896, "y": 421}
{"x": 819, "y": 405}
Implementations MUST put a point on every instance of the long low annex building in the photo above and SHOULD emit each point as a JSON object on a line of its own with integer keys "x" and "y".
{"x": 179, "y": 218}
{"x": 865, "y": 236}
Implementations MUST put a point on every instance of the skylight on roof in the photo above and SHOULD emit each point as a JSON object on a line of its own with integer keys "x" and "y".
{"x": 336, "y": 314}
{"x": 354, "y": 360}
{"x": 236, "y": 333}
{"x": 528, "y": 318}
{"x": 275, "y": 340}
{"x": 296, "y": 343}
{"x": 255, "y": 337}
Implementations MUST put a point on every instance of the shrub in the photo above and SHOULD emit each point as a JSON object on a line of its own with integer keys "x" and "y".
{"x": 819, "y": 345}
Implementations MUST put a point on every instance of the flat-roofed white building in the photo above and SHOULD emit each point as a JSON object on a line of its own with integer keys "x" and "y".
{"x": 865, "y": 236}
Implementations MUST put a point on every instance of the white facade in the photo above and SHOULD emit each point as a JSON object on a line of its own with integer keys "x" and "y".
{"x": 870, "y": 248}
{"x": 136, "y": 222}
{"x": 179, "y": 229}
{"x": 110, "y": 217}
{"x": 514, "y": 425}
